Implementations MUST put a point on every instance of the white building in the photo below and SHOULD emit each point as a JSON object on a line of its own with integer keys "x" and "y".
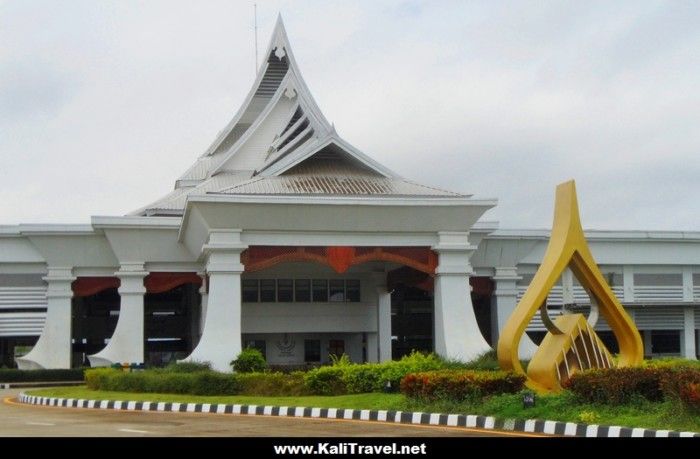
{"x": 285, "y": 237}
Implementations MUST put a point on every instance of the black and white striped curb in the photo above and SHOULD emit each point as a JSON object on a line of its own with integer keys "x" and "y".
{"x": 399, "y": 417}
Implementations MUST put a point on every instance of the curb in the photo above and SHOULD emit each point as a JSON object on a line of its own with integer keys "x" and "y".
{"x": 570, "y": 429}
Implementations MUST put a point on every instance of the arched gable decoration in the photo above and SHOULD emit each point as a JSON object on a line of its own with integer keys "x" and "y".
{"x": 88, "y": 286}
{"x": 340, "y": 258}
{"x": 159, "y": 282}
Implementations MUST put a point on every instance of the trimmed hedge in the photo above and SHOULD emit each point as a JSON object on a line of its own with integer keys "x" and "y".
{"x": 342, "y": 378}
{"x": 619, "y": 386}
{"x": 348, "y": 378}
{"x": 14, "y": 375}
{"x": 683, "y": 385}
{"x": 188, "y": 367}
{"x": 460, "y": 385}
{"x": 195, "y": 383}
{"x": 272, "y": 384}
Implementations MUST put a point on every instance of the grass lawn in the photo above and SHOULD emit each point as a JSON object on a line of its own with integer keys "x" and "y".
{"x": 552, "y": 407}
{"x": 374, "y": 401}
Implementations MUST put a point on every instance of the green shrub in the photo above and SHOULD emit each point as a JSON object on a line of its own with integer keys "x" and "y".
{"x": 213, "y": 383}
{"x": 488, "y": 361}
{"x": 196, "y": 383}
{"x": 360, "y": 379}
{"x": 460, "y": 385}
{"x": 345, "y": 377}
{"x": 15, "y": 375}
{"x": 249, "y": 360}
{"x": 272, "y": 384}
{"x": 188, "y": 367}
{"x": 326, "y": 381}
{"x": 617, "y": 386}
{"x": 671, "y": 362}
{"x": 97, "y": 378}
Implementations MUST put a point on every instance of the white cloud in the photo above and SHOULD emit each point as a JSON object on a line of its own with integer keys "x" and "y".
{"x": 104, "y": 104}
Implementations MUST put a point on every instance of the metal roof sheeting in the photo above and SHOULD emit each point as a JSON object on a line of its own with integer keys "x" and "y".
{"x": 333, "y": 185}
{"x": 176, "y": 199}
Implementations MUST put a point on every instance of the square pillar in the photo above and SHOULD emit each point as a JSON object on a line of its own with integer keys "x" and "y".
{"x": 688, "y": 349}
{"x": 627, "y": 284}
{"x": 127, "y": 342}
{"x": 457, "y": 335}
{"x": 204, "y": 296}
{"x": 506, "y": 296}
{"x": 53, "y": 349}
{"x": 372, "y": 347}
{"x": 221, "y": 337}
{"x": 383, "y": 316}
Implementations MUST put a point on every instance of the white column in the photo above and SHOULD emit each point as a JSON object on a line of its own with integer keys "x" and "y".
{"x": 628, "y": 284}
{"x": 457, "y": 334}
{"x": 688, "y": 335}
{"x": 372, "y": 347}
{"x": 688, "y": 284}
{"x": 567, "y": 286}
{"x": 506, "y": 296}
{"x": 53, "y": 350}
{"x": 127, "y": 342}
{"x": 221, "y": 338}
{"x": 204, "y": 294}
{"x": 383, "y": 316}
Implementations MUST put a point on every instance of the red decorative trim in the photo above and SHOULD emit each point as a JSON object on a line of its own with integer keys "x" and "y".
{"x": 162, "y": 282}
{"x": 257, "y": 258}
{"x": 340, "y": 258}
{"x": 88, "y": 286}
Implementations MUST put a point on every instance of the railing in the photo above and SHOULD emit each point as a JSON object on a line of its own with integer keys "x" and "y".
{"x": 696, "y": 293}
{"x": 581, "y": 297}
{"x": 22, "y": 323}
{"x": 22, "y": 297}
{"x": 555, "y": 297}
{"x": 22, "y": 311}
{"x": 652, "y": 293}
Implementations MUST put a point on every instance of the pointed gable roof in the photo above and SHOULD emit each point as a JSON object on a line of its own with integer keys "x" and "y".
{"x": 278, "y": 132}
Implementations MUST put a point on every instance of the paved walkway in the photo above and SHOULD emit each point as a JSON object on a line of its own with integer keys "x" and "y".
{"x": 26, "y": 420}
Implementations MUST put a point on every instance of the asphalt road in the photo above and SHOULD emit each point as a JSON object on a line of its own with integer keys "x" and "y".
{"x": 20, "y": 420}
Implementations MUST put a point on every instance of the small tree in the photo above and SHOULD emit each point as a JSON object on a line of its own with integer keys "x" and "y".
{"x": 250, "y": 360}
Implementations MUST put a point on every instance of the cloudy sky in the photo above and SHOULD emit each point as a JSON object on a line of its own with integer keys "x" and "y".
{"x": 104, "y": 103}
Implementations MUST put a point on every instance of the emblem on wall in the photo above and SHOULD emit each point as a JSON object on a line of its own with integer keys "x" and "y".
{"x": 286, "y": 346}
{"x": 571, "y": 344}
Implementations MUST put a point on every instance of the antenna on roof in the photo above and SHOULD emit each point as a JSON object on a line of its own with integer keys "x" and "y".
{"x": 255, "y": 27}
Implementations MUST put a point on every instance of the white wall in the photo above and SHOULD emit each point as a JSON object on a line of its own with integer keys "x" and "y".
{"x": 288, "y": 349}
{"x": 313, "y": 317}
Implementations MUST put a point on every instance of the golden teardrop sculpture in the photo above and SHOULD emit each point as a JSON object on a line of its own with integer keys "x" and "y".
{"x": 571, "y": 344}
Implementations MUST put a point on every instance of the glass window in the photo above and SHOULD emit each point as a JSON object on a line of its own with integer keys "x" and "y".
{"x": 352, "y": 290}
{"x": 312, "y": 350}
{"x": 285, "y": 290}
{"x": 320, "y": 290}
{"x": 249, "y": 289}
{"x": 665, "y": 342}
{"x": 336, "y": 289}
{"x": 302, "y": 290}
{"x": 267, "y": 290}
{"x": 336, "y": 347}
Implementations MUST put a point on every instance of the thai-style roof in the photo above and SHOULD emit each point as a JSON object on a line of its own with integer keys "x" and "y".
{"x": 279, "y": 142}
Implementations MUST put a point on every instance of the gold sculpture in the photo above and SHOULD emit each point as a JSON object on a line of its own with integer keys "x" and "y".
{"x": 571, "y": 344}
